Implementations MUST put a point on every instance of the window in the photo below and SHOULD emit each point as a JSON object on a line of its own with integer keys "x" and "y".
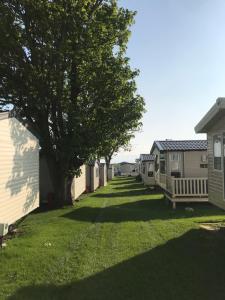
{"x": 203, "y": 166}
{"x": 217, "y": 152}
{"x": 157, "y": 163}
{"x": 143, "y": 169}
{"x": 204, "y": 158}
{"x": 162, "y": 167}
{"x": 174, "y": 166}
{"x": 151, "y": 167}
{"x": 151, "y": 170}
{"x": 97, "y": 171}
{"x": 174, "y": 156}
{"x": 162, "y": 155}
{"x": 224, "y": 146}
{"x": 175, "y": 174}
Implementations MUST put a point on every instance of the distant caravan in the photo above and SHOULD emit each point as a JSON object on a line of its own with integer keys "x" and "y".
{"x": 127, "y": 169}
{"x": 180, "y": 168}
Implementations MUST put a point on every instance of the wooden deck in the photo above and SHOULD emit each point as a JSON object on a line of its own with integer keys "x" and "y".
{"x": 184, "y": 189}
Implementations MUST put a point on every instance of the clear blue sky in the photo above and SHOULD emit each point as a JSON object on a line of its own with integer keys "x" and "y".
{"x": 179, "y": 48}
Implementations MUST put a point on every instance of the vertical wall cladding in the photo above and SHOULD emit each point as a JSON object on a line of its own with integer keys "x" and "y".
{"x": 149, "y": 165}
{"x": 111, "y": 172}
{"x": 92, "y": 177}
{"x": 19, "y": 171}
{"x": 193, "y": 162}
{"x": 96, "y": 176}
{"x": 103, "y": 175}
{"x": 127, "y": 168}
{"x": 216, "y": 194}
{"x": 79, "y": 184}
{"x": 216, "y": 182}
{"x": 88, "y": 178}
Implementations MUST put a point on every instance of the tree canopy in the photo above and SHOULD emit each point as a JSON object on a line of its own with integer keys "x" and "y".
{"x": 63, "y": 67}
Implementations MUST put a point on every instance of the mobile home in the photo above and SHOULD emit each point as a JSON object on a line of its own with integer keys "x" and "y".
{"x": 110, "y": 172}
{"x": 213, "y": 123}
{"x": 92, "y": 176}
{"x": 127, "y": 168}
{"x": 77, "y": 187}
{"x": 147, "y": 169}
{"x": 181, "y": 169}
{"x": 19, "y": 174}
{"x": 103, "y": 175}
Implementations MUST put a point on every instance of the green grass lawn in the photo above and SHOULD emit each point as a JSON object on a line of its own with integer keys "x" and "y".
{"x": 122, "y": 242}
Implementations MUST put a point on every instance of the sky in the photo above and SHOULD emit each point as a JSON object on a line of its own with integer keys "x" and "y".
{"x": 179, "y": 48}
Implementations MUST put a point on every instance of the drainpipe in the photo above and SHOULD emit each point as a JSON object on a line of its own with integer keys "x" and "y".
{"x": 183, "y": 173}
{"x": 90, "y": 178}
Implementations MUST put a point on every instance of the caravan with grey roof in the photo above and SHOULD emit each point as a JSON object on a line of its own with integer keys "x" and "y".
{"x": 213, "y": 123}
{"x": 147, "y": 169}
{"x": 181, "y": 169}
{"x": 127, "y": 169}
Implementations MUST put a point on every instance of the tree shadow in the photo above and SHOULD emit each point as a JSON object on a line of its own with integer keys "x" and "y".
{"x": 191, "y": 266}
{"x": 130, "y": 186}
{"x": 122, "y": 180}
{"x": 142, "y": 210}
{"x": 22, "y": 186}
{"x": 130, "y": 193}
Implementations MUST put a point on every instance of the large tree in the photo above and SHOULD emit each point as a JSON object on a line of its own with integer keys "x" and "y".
{"x": 122, "y": 118}
{"x": 51, "y": 55}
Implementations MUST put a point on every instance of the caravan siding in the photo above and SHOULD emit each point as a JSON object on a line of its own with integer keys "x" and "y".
{"x": 79, "y": 184}
{"x": 147, "y": 167}
{"x": 190, "y": 164}
{"x": 92, "y": 177}
{"x": 216, "y": 182}
{"x": 126, "y": 169}
{"x": 111, "y": 172}
{"x": 19, "y": 172}
{"x": 103, "y": 175}
{"x": 96, "y": 174}
{"x": 193, "y": 160}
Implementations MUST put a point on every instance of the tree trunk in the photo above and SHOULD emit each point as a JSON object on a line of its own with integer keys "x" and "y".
{"x": 68, "y": 196}
{"x": 60, "y": 181}
{"x": 107, "y": 161}
{"x": 60, "y": 190}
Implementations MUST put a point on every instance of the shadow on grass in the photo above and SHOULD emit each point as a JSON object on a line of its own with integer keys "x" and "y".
{"x": 122, "y": 180}
{"x": 130, "y": 193}
{"x": 189, "y": 267}
{"x": 143, "y": 210}
{"x": 129, "y": 186}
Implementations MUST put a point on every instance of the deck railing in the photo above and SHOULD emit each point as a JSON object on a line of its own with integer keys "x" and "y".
{"x": 185, "y": 187}
{"x": 162, "y": 179}
{"x": 191, "y": 186}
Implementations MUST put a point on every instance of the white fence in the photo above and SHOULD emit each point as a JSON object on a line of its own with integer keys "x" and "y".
{"x": 190, "y": 187}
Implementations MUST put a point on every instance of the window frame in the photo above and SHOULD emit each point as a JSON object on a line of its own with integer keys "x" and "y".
{"x": 173, "y": 154}
{"x": 204, "y": 158}
{"x": 160, "y": 165}
{"x": 203, "y": 166}
{"x": 218, "y": 136}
